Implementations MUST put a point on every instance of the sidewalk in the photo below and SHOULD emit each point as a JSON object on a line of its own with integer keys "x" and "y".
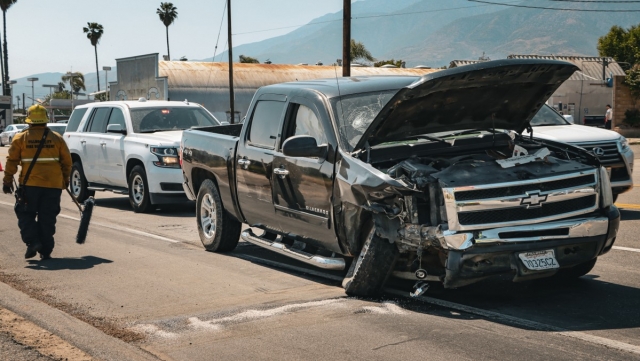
{"x": 633, "y": 141}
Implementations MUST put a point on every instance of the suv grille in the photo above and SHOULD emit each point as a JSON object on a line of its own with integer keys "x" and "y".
{"x": 510, "y": 215}
{"x": 611, "y": 155}
{"x": 523, "y": 189}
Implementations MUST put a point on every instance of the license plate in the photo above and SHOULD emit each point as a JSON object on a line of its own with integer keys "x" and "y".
{"x": 539, "y": 260}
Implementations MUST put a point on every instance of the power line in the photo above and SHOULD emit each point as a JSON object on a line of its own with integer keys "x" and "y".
{"x": 600, "y": 1}
{"x": 547, "y": 8}
{"x": 366, "y": 17}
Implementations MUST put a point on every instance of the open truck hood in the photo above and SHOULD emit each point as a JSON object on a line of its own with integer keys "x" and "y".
{"x": 502, "y": 94}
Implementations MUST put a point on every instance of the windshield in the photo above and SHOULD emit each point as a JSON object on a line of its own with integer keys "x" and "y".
{"x": 356, "y": 112}
{"x": 149, "y": 120}
{"x": 20, "y": 126}
{"x": 547, "y": 116}
{"x": 58, "y": 128}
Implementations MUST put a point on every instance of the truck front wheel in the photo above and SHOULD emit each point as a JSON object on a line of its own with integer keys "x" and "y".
{"x": 369, "y": 271}
{"x": 219, "y": 232}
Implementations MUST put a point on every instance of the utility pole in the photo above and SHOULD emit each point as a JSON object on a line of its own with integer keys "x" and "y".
{"x": 346, "y": 38}
{"x": 605, "y": 62}
{"x": 231, "y": 95}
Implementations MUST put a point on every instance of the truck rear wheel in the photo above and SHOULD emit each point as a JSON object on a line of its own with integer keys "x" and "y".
{"x": 78, "y": 183}
{"x": 218, "y": 231}
{"x": 369, "y": 271}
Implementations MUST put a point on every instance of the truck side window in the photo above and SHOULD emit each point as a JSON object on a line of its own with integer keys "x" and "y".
{"x": 265, "y": 123}
{"x": 307, "y": 123}
{"x": 117, "y": 117}
{"x": 75, "y": 119}
{"x": 99, "y": 120}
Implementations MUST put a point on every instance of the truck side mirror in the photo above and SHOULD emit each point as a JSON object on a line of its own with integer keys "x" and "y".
{"x": 116, "y": 128}
{"x": 303, "y": 146}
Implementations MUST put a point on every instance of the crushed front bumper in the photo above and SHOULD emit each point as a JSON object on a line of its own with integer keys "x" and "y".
{"x": 585, "y": 240}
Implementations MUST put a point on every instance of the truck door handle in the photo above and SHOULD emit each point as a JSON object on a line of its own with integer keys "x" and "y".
{"x": 83, "y": 142}
{"x": 104, "y": 144}
{"x": 281, "y": 172}
{"x": 244, "y": 163}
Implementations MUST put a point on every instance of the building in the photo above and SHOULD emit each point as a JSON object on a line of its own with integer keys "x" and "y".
{"x": 207, "y": 83}
{"x": 586, "y": 92}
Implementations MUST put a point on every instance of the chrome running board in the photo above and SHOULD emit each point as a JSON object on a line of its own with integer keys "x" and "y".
{"x": 330, "y": 263}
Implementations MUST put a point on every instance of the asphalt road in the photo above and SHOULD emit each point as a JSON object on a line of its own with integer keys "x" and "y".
{"x": 142, "y": 287}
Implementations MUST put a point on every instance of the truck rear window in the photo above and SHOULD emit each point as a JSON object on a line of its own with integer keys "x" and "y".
{"x": 156, "y": 119}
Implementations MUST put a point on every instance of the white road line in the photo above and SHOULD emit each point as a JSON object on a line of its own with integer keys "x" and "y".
{"x": 115, "y": 227}
{"x": 626, "y": 249}
{"x": 526, "y": 323}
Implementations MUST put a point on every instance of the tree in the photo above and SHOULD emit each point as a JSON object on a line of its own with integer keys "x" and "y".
{"x": 76, "y": 83}
{"x": 94, "y": 33}
{"x": 5, "y": 5}
{"x": 621, "y": 44}
{"x": 248, "y": 59}
{"x": 168, "y": 14}
{"x": 359, "y": 52}
{"x": 396, "y": 63}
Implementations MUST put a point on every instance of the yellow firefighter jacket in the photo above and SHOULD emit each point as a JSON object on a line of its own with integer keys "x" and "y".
{"x": 53, "y": 165}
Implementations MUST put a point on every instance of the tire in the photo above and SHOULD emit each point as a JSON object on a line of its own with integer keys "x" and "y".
{"x": 139, "y": 190}
{"x": 369, "y": 271}
{"x": 78, "y": 183}
{"x": 576, "y": 271}
{"x": 218, "y": 231}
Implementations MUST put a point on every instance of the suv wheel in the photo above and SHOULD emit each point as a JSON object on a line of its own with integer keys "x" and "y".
{"x": 218, "y": 231}
{"x": 78, "y": 183}
{"x": 371, "y": 268}
{"x": 139, "y": 190}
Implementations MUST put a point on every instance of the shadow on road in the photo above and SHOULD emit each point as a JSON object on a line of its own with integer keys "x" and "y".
{"x": 629, "y": 215}
{"x": 57, "y": 264}
{"x": 163, "y": 210}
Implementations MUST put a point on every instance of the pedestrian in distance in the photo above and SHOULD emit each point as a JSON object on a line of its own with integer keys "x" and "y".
{"x": 608, "y": 117}
{"x": 46, "y": 165}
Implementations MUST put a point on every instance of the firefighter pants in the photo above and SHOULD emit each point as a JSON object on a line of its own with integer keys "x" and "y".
{"x": 37, "y": 220}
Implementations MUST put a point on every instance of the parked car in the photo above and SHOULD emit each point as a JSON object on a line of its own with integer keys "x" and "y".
{"x": 57, "y": 127}
{"x": 426, "y": 178}
{"x": 593, "y": 120}
{"x": 131, "y": 147}
{"x": 610, "y": 147}
{"x": 6, "y": 137}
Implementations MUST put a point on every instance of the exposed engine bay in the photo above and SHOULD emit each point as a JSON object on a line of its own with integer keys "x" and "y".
{"x": 420, "y": 222}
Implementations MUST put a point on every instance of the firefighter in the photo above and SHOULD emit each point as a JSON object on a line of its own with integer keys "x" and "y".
{"x": 49, "y": 176}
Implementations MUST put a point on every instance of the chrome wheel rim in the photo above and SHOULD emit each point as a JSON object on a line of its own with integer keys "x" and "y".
{"x": 76, "y": 182}
{"x": 137, "y": 189}
{"x": 208, "y": 216}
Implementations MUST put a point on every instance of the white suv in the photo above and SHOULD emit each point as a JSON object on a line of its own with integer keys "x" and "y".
{"x": 131, "y": 147}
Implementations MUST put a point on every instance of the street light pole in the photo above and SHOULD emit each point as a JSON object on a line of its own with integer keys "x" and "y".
{"x": 106, "y": 80}
{"x": 71, "y": 76}
{"x": 32, "y": 80}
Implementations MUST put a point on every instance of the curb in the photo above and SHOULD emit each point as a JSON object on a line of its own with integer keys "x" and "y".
{"x": 76, "y": 332}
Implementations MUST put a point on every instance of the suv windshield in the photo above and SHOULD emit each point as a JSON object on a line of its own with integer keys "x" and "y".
{"x": 149, "y": 120}
{"x": 356, "y": 112}
{"x": 547, "y": 116}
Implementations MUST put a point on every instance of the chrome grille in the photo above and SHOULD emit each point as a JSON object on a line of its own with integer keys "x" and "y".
{"x": 522, "y": 202}
{"x": 611, "y": 154}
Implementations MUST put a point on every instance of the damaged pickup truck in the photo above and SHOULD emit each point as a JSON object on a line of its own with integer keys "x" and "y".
{"x": 425, "y": 178}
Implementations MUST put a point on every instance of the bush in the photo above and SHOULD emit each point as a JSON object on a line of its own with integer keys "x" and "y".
{"x": 632, "y": 117}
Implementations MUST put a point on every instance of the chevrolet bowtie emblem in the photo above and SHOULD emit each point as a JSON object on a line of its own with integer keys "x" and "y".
{"x": 533, "y": 200}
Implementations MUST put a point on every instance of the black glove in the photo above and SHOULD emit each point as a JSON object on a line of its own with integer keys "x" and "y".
{"x": 7, "y": 188}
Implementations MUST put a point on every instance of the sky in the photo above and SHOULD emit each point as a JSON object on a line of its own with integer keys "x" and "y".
{"x": 46, "y": 36}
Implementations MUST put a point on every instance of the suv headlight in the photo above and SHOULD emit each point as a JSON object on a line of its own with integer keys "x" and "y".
{"x": 167, "y": 157}
{"x": 606, "y": 197}
{"x": 624, "y": 144}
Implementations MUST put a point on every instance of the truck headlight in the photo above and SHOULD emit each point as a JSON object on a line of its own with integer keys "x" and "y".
{"x": 167, "y": 157}
{"x": 624, "y": 144}
{"x": 606, "y": 197}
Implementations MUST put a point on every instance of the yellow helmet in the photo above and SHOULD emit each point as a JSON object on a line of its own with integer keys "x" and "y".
{"x": 37, "y": 114}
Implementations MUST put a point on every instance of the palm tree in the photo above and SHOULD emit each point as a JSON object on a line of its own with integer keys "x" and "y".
{"x": 94, "y": 33}
{"x": 5, "y": 5}
{"x": 168, "y": 14}
{"x": 76, "y": 82}
{"x": 358, "y": 51}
